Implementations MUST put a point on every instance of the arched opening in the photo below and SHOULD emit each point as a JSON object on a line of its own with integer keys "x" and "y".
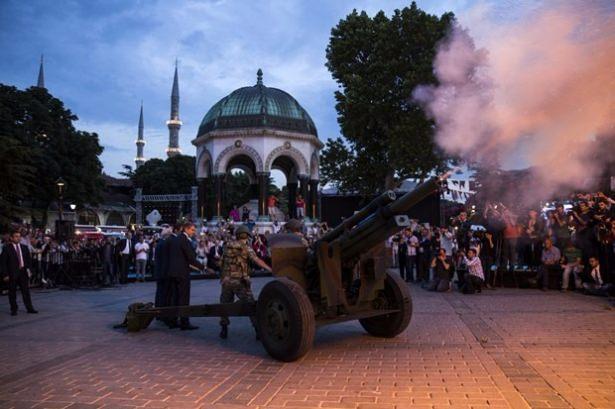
{"x": 284, "y": 173}
{"x": 88, "y": 217}
{"x": 240, "y": 188}
{"x": 115, "y": 219}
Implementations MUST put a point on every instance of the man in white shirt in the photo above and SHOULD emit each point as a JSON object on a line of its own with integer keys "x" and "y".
{"x": 475, "y": 277}
{"x": 141, "y": 251}
{"x": 413, "y": 245}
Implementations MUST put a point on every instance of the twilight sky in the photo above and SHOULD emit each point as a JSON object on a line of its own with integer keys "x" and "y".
{"x": 103, "y": 57}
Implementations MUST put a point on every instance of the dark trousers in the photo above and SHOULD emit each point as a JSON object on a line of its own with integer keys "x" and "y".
{"x": 124, "y": 265}
{"x": 403, "y": 266}
{"x": 180, "y": 288}
{"x": 471, "y": 284}
{"x": 108, "y": 276}
{"x": 438, "y": 284}
{"x": 543, "y": 274}
{"x": 161, "y": 290}
{"x": 20, "y": 280}
{"x": 423, "y": 270}
{"x": 234, "y": 287}
{"x": 164, "y": 293}
{"x": 412, "y": 266}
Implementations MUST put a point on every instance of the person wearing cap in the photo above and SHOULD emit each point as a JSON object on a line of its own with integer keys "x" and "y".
{"x": 293, "y": 226}
{"x": 235, "y": 274}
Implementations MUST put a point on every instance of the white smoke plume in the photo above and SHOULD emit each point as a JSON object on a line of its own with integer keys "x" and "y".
{"x": 539, "y": 92}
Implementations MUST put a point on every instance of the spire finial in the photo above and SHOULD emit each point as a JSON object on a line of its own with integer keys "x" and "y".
{"x": 140, "y": 135}
{"x": 140, "y": 142}
{"x": 41, "y": 75}
{"x": 259, "y": 77}
{"x": 174, "y": 123}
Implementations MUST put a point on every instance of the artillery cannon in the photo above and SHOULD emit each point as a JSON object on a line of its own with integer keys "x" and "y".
{"x": 342, "y": 276}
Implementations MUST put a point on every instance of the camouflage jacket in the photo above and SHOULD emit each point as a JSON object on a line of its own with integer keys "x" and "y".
{"x": 235, "y": 260}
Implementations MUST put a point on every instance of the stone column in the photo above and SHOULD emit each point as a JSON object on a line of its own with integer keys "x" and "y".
{"x": 202, "y": 199}
{"x": 263, "y": 184}
{"x": 304, "y": 185}
{"x": 219, "y": 189}
{"x": 313, "y": 200}
{"x": 292, "y": 197}
{"x": 254, "y": 190}
{"x": 139, "y": 208}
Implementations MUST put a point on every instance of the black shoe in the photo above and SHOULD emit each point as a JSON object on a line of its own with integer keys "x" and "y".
{"x": 188, "y": 327}
{"x": 32, "y": 311}
{"x": 224, "y": 332}
{"x": 14, "y": 312}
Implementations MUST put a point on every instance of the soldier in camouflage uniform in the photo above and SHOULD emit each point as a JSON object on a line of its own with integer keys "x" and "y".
{"x": 235, "y": 277}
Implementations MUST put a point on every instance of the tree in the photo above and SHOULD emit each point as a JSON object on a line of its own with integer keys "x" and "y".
{"x": 377, "y": 62}
{"x": 174, "y": 175}
{"x": 17, "y": 176}
{"x": 43, "y": 129}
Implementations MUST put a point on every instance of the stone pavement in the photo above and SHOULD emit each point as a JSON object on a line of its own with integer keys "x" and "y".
{"x": 504, "y": 349}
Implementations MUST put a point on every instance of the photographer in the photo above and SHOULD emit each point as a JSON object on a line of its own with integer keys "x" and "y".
{"x": 442, "y": 271}
{"x": 550, "y": 258}
{"x": 560, "y": 227}
{"x": 474, "y": 277}
{"x": 583, "y": 222}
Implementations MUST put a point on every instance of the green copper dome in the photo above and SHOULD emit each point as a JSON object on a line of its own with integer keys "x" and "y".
{"x": 258, "y": 106}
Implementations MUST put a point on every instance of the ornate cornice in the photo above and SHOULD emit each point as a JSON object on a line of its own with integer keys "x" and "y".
{"x": 256, "y": 132}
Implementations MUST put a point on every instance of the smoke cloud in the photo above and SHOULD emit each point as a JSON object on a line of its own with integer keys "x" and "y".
{"x": 540, "y": 93}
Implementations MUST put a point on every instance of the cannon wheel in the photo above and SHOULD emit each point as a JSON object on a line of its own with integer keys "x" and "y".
{"x": 285, "y": 320}
{"x": 394, "y": 296}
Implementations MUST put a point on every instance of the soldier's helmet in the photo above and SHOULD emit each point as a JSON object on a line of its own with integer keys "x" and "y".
{"x": 293, "y": 225}
{"x": 242, "y": 229}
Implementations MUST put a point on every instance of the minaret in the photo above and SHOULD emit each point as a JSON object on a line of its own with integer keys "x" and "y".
{"x": 174, "y": 122}
{"x": 140, "y": 160}
{"x": 41, "y": 75}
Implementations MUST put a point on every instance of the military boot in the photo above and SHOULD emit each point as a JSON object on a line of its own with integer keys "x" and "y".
{"x": 224, "y": 332}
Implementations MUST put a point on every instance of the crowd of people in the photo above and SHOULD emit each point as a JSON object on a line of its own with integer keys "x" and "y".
{"x": 575, "y": 240}
{"x": 568, "y": 246}
{"x": 112, "y": 260}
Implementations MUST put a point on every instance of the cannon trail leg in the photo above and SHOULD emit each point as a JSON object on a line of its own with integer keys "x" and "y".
{"x": 394, "y": 296}
{"x": 285, "y": 319}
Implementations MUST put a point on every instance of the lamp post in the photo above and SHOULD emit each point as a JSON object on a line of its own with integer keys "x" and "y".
{"x": 60, "y": 184}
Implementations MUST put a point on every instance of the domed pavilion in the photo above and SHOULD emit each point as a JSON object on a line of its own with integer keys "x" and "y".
{"x": 257, "y": 129}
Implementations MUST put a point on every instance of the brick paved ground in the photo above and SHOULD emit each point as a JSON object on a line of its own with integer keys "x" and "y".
{"x": 504, "y": 348}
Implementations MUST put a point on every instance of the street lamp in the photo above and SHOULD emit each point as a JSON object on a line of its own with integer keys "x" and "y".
{"x": 60, "y": 184}
{"x": 72, "y": 206}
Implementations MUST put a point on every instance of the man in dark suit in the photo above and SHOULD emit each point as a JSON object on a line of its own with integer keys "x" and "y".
{"x": 182, "y": 259}
{"x": 15, "y": 263}
{"x": 125, "y": 252}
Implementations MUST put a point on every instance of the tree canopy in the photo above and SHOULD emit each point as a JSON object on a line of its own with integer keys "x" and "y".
{"x": 170, "y": 176}
{"x": 39, "y": 144}
{"x": 377, "y": 62}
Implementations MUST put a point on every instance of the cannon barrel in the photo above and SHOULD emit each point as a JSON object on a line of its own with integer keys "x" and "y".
{"x": 347, "y": 224}
{"x": 383, "y": 221}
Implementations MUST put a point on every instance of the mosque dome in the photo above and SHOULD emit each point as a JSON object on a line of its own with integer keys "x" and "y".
{"x": 258, "y": 106}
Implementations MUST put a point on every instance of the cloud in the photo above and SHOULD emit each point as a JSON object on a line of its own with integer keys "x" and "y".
{"x": 103, "y": 58}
